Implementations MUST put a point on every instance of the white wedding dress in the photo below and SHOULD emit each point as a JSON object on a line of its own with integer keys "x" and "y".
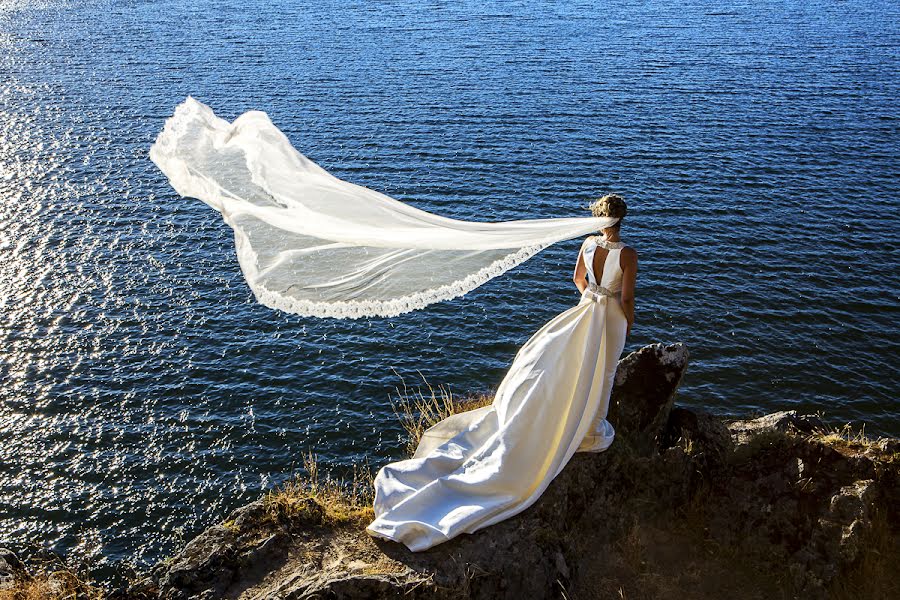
{"x": 315, "y": 245}
{"x": 479, "y": 467}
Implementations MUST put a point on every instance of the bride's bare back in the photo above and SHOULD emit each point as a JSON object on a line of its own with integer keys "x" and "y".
{"x": 627, "y": 263}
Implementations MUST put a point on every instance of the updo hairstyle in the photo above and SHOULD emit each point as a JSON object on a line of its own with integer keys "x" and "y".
{"x": 610, "y": 205}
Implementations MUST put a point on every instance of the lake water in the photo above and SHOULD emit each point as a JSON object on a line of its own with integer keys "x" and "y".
{"x": 145, "y": 393}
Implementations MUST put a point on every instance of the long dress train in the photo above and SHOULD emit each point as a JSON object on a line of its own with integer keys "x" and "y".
{"x": 479, "y": 467}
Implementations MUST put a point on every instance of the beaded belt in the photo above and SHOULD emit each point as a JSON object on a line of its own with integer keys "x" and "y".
{"x": 598, "y": 290}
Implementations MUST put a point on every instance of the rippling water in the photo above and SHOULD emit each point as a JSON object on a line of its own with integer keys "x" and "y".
{"x": 145, "y": 393}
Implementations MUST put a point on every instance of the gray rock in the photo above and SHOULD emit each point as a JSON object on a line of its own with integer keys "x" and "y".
{"x": 206, "y": 563}
{"x": 889, "y": 446}
{"x": 851, "y": 509}
{"x": 644, "y": 392}
{"x": 11, "y": 569}
{"x": 783, "y": 421}
{"x": 247, "y": 515}
{"x": 9, "y": 562}
{"x": 704, "y": 436}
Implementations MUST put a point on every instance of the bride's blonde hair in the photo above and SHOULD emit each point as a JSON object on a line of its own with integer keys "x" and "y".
{"x": 610, "y": 205}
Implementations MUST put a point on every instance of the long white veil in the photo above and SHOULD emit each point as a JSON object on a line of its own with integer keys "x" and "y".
{"x": 312, "y": 244}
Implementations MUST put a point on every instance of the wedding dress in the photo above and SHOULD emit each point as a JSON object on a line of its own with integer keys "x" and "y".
{"x": 312, "y": 244}
{"x": 479, "y": 467}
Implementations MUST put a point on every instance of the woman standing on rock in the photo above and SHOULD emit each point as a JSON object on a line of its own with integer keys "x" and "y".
{"x": 312, "y": 244}
{"x": 480, "y": 467}
{"x": 617, "y": 265}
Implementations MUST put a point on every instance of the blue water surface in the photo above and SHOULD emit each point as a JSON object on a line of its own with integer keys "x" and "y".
{"x": 146, "y": 394}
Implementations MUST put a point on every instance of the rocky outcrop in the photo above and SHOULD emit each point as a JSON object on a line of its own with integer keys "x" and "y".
{"x": 683, "y": 504}
{"x": 516, "y": 558}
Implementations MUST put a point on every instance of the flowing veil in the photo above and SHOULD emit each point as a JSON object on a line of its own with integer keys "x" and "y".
{"x": 315, "y": 245}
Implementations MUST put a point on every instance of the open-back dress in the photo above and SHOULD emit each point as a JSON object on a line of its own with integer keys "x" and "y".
{"x": 479, "y": 467}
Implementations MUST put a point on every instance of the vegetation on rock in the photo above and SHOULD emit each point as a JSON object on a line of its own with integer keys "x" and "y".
{"x": 684, "y": 504}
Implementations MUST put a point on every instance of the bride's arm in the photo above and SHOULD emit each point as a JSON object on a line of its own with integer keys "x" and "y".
{"x": 629, "y": 263}
{"x": 580, "y": 271}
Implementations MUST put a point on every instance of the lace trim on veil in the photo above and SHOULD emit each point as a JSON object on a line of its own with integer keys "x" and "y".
{"x": 355, "y": 309}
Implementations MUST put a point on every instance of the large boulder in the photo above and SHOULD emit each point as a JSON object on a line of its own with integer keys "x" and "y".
{"x": 644, "y": 392}
{"x": 685, "y": 504}
{"x": 11, "y": 570}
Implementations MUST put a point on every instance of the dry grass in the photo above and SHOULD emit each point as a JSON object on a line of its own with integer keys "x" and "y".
{"x": 418, "y": 409}
{"x": 323, "y": 500}
{"x": 53, "y": 581}
{"x": 847, "y": 439}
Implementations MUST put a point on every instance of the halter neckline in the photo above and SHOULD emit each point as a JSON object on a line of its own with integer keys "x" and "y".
{"x": 608, "y": 245}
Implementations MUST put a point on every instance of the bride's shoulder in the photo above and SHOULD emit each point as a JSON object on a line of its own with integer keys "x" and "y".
{"x": 629, "y": 255}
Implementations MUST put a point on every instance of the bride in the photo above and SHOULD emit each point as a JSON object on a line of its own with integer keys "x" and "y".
{"x": 480, "y": 467}
{"x": 312, "y": 244}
